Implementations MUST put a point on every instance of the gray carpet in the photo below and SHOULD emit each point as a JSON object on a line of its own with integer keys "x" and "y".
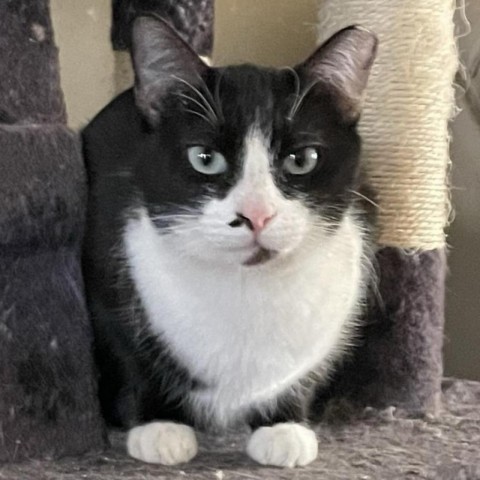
{"x": 382, "y": 445}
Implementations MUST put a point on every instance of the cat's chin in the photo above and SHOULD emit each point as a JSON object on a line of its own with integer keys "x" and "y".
{"x": 261, "y": 256}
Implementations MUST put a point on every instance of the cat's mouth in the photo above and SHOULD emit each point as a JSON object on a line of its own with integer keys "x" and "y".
{"x": 262, "y": 255}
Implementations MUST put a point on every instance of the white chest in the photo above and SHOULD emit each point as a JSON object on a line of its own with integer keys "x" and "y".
{"x": 248, "y": 333}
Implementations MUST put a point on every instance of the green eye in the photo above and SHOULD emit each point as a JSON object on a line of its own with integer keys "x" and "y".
{"x": 207, "y": 161}
{"x": 301, "y": 162}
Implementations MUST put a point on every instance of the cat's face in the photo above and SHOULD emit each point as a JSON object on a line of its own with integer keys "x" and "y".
{"x": 244, "y": 164}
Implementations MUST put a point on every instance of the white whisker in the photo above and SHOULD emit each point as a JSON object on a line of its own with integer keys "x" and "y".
{"x": 369, "y": 200}
{"x": 200, "y": 95}
{"x": 297, "y": 90}
{"x": 210, "y": 122}
{"x": 201, "y": 105}
{"x": 217, "y": 100}
{"x": 300, "y": 98}
{"x": 214, "y": 100}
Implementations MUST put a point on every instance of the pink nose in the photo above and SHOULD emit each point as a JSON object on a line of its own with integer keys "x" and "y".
{"x": 257, "y": 218}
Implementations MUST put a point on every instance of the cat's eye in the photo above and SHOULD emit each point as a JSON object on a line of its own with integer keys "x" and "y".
{"x": 207, "y": 161}
{"x": 302, "y": 161}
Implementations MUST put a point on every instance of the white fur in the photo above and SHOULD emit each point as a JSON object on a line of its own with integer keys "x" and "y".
{"x": 162, "y": 442}
{"x": 247, "y": 333}
{"x": 283, "y": 445}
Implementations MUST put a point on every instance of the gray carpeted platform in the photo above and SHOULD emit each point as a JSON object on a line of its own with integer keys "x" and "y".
{"x": 381, "y": 445}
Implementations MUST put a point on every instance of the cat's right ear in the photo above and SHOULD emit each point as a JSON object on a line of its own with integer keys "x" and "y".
{"x": 160, "y": 60}
{"x": 344, "y": 63}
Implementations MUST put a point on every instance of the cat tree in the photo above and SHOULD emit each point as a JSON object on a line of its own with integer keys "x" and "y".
{"x": 404, "y": 126}
{"x": 48, "y": 407}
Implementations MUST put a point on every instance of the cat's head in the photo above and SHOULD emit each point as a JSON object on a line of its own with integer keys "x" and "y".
{"x": 244, "y": 163}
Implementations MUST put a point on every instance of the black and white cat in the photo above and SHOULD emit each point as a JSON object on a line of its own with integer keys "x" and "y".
{"x": 225, "y": 253}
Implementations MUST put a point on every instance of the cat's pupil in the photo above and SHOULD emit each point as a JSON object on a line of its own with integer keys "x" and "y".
{"x": 302, "y": 158}
{"x": 206, "y": 158}
{"x": 299, "y": 160}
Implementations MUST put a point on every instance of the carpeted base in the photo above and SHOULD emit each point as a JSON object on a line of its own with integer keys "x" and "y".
{"x": 398, "y": 357}
{"x": 373, "y": 445}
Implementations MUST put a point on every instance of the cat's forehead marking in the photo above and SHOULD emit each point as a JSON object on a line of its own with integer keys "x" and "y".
{"x": 257, "y": 156}
{"x": 256, "y": 188}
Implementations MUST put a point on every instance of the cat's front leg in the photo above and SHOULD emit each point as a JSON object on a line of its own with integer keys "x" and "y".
{"x": 166, "y": 443}
{"x": 284, "y": 440}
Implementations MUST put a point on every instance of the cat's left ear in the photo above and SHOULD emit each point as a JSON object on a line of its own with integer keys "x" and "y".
{"x": 160, "y": 60}
{"x": 343, "y": 63}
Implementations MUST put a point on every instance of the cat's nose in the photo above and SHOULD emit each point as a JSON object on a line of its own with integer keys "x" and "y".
{"x": 256, "y": 220}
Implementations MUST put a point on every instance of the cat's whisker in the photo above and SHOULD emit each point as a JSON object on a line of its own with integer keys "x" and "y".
{"x": 297, "y": 90}
{"x": 217, "y": 101}
{"x": 200, "y": 95}
{"x": 210, "y": 122}
{"x": 299, "y": 100}
{"x": 367, "y": 199}
{"x": 184, "y": 212}
{"x": 196, "y": 102}
{"x": 175, "y": 218}
{"x": 296, "y": 77}
{"x": 214, "y": 100}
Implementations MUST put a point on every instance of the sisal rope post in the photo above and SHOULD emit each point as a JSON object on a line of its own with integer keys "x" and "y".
{"x": 409, "y": 101}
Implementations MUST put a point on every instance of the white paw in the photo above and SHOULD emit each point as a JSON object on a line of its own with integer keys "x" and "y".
{"x": 162, "y": 442}
{"x": 283, "y": 445}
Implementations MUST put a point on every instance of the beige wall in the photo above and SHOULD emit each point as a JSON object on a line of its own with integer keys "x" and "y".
{"x": 268, "y": 32}
{"x": 462, "y": 338}
{"x": 86, "y": 60}
{"x": 282, "y": 32}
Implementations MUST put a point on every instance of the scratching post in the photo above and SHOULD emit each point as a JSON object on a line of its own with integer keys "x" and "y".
{"x": 404, "y": 124}
{"x": 404, "y": 127}
{"x": 48, "y": 405}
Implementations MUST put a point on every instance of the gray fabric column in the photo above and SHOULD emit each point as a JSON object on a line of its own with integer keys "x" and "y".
{"x": 398, "y": 356}
{"x": 48, "y": 404}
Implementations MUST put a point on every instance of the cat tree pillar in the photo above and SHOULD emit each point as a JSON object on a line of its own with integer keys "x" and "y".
{"x": 48, "y": 397}
{"x": 405, "y": 130}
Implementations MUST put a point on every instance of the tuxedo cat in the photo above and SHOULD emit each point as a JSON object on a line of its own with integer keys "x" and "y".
{"x": 226, "y": 250}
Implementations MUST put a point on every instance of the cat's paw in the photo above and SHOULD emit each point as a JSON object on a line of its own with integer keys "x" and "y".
{"x": 283, "y": 445}
{"x": 166, "y": 443}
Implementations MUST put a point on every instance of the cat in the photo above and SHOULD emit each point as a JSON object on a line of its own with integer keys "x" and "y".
{"x": 226, "y": 251}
